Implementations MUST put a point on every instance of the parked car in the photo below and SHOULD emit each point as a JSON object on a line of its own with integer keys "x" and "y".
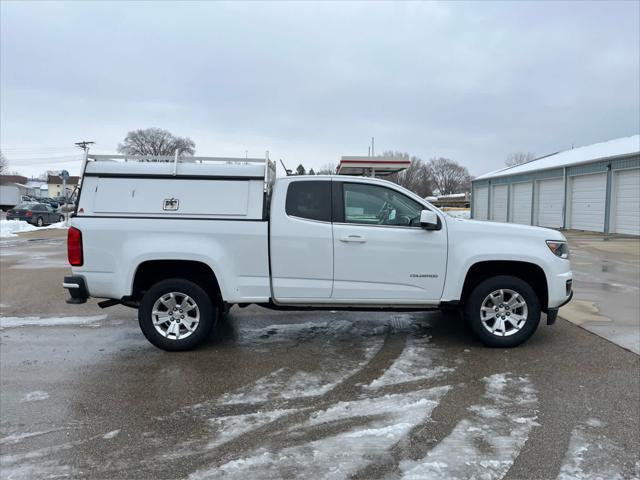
{"x": 183, "y": 241}
{"x": 36, "y": 213}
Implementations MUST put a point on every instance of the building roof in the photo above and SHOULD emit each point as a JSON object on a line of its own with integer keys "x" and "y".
{"x": 56, "y": 180}
{"x": 619, "y": 147}
{"x": 12, "y": 179}
{"x": 355, "y": 165}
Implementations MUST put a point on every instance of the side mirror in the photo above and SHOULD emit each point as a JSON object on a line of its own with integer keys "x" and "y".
{"x": 429, "y": 220}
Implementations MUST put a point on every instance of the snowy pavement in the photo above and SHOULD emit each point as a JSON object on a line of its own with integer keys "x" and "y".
{"x": 301, "y": 395}
{"x": 10, "y": 228}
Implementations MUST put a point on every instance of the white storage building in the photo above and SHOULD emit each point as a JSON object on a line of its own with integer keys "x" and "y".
{"x": 593, "y": 188}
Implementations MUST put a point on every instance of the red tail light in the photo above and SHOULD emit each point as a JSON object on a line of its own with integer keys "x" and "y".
{"x": 29, "y": 213}
{"x": 74, "y": 247}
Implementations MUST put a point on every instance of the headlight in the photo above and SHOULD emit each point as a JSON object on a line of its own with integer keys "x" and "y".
{"x": 559, "y": 249}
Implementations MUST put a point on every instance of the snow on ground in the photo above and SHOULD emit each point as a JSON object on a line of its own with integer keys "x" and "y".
{"x": 590, "y": 455}
{"x": 35, "y": 396}
{"x": 379, "y": 424}
{"x": 416, "y": 362}
{"x": 230, "y": 427}
{"x": 10, "y": 228}
{"x": 12, "y": 322}
{"x": 111, "y": 434}
{"x": 486, "y": 443}
{"x": 289, "y": 382}
{"x": 19, "y": 437}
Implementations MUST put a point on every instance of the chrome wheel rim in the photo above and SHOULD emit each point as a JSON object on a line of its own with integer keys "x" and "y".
{"x": 175, "y": 315}
{"x": 40, "y": 222}
{"x": 503, "y": 312}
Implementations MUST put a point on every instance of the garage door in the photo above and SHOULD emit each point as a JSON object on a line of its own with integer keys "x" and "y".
{"x": 521, "y": 203}
{"x": 499, "y": 200}
{"x": 626, "y": 202}
{"x": 480, "y": 202}
{"x": 588, "y": 193}
{"x": 550, "y": 203}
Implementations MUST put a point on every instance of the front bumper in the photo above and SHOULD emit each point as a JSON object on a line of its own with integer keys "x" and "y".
{"x": 77, "y": 289}
{"x": 552, "y": 313}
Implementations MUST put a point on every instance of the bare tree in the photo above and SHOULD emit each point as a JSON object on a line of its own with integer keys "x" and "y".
{"x": 518, "y": 158}
{"x": 156, "y": 141}
{"x": 416, "y": 177}
{"x": 327, "y": 169}
{"x": 449, "y": 176}
{"x": 3, "y": 164}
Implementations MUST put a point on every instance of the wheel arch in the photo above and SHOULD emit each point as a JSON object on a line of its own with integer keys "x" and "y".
{"x": 528, "y": 272}
{"x": 151, "y": 272}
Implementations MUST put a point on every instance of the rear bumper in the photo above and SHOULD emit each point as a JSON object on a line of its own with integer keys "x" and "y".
{"x": 77, "y": 288}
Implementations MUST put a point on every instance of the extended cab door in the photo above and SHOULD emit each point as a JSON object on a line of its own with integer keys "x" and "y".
{"x": 301, "y": 240}
{"x": 381, "y": 253}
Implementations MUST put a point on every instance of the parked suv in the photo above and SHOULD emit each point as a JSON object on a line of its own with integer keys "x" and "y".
{"x": 182, "y": 241}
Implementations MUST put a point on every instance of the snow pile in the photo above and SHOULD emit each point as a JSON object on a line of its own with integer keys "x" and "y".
{"x": 465, "y": 213}
{"x": 9, "y": 228}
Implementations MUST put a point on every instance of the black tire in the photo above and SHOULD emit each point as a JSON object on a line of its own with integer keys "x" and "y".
{"x": 39, "y": 222}
{"x": 208, "y": 312}
{"x": 482, "y": 291}
{"x": 61, "y": 218}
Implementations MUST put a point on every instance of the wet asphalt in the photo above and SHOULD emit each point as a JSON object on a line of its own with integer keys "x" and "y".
{"x": 299, "y": 395}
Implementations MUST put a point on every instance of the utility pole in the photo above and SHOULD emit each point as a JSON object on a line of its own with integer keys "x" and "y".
{"x": 84, "y": 145}
{"x": 373, "y": 143}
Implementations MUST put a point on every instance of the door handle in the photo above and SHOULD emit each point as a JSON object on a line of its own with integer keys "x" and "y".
{"x": 353, "y": 239}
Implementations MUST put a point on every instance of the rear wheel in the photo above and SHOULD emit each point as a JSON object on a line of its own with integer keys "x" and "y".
{"x": 40, "y": 221}
{"x": 176, "y": 314}
{"x": 503, "y": 311}
{"x": 61, "y": 218}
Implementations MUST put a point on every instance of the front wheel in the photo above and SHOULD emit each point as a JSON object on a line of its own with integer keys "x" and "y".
{"x": 176, "y": 314}
{"x": 503, "y": 311}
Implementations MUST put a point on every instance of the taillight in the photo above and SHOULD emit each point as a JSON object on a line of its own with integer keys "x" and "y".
{"x": 74, "y": 247}
{"x": 29, "y": 213}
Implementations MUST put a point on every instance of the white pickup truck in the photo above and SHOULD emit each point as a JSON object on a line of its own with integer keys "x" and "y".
{"x": 182, "y": 241}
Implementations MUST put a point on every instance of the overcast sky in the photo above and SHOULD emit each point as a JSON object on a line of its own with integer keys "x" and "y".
{"x": 313, "y": 81}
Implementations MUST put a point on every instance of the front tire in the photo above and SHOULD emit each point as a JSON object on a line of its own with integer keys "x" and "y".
{"x": 176, "y": 315}
{"x": 503, "y": 311}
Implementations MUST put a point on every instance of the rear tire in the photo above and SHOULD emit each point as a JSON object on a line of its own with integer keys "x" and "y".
{"x": 61, "y": 218}
{"x": 177, "y": 315}
{"x": 503, "y": 311}
{"x": 39, "y": 222}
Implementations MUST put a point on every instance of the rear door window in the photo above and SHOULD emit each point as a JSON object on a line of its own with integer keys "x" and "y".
{"x": 310, "y": 200}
